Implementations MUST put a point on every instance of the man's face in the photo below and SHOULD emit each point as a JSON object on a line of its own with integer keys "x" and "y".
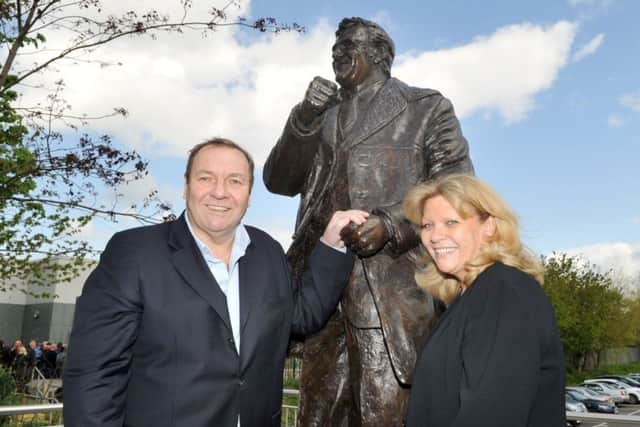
{"x": 217, "y": 192}
{"x": 350, "y": 62}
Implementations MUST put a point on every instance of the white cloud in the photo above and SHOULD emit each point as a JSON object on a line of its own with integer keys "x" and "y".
{"x": 631, "y": 100}
{"x": 384, "y": 19}
{"x": 97, "y": 233}
{"x": 282, "y": 235}
{"x": 615, "y": 120}
{"x": 621, "y": 257}
{"x": 136, "y": 191}
{"x": 181, "y": 89}
{"x": 502, "y": 72}
{"x": 589, "y": 10}
{"x": 601, "y": 4}
{"x": 589, "y": 48}
{"x": 100, "y": 230}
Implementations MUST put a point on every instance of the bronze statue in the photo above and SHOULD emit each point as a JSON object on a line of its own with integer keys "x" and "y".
{"x": 362, "y": 147}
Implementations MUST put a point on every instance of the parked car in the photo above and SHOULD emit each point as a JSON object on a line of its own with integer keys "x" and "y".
{"x": 572, "y": 404}
{"x": 591, "y": 404}
{"x": 633, "y": 393}
{"x": 622, "y": 378}
{"x": 618, "y": 396}
{"x": 592, "y": 394}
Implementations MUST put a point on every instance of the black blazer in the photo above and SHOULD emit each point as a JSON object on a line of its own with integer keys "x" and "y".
{"x": 495, "y": 359}
{"x": 152, "y": 345}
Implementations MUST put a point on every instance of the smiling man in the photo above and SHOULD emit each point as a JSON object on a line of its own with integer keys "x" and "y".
{"x": 363, "y": 146}
{"x": 187, "y": 323}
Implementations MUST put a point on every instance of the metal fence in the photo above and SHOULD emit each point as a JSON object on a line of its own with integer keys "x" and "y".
{"x": 46, "y": 415}
{"x": 51, "y": 414}
{"x": 290, "y": 405}
{"x": 31, "y": 415}
{"x": 292, "y": 368}
{"x": 630, "y": 420}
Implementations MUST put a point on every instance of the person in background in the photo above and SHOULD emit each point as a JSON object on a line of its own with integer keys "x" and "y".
{"x": 49, "y": 354}
{"x": 37, "y": 349}
{"x": 15, "y": 349}
{"x": 495, "y": 357}
{"x": 4, "y": 355}
{"x": 60, "y": 359}
{"x": 21, "y": 365}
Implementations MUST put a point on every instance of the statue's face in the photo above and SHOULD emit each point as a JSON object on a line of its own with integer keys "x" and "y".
{"x": 350, "y": 62}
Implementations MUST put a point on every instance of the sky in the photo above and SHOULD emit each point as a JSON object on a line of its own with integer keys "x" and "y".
{"x": 547, "y": 93}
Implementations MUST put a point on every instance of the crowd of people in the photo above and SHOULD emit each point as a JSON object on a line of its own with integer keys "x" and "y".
{"x": 46, "y": 356}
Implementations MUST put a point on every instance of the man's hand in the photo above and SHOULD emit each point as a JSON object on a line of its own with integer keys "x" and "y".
{"x": 366, "y": 239}
{"x": 338, "y": 222}
{"x": 321, "y": 94}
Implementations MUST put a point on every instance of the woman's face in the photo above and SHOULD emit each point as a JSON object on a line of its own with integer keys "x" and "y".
{"x": 450, "y": 240}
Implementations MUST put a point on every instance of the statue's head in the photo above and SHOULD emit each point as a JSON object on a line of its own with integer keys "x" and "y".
{"x": 361, "y": 46}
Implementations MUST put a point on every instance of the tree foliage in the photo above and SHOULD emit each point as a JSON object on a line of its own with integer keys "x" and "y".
{"x": 632, "y": 317}
{"x": 54, "y": 173}
{"x": 591, "y": 311}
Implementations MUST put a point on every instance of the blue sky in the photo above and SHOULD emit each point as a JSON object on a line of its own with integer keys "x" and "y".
{"x": 570, "y": 167}
{"x": 548, "y": 94}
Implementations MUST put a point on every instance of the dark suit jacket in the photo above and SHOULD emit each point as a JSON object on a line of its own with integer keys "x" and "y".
{"x": 495, "y": 359}
{"x": 407, "y": 135}
{"x": 151, "y": 343}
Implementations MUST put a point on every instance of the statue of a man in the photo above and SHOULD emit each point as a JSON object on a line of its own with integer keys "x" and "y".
{"x": 362, "y": 147}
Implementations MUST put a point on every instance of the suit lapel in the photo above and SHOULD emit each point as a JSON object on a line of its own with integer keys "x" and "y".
{"x": 190, "y": 264}
{"x": 249, "y": 278}
{"x": 331, "y": 123}
{"x": 386, "y": 105}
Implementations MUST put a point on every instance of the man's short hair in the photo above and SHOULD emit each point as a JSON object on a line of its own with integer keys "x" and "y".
{"x": 383, "y": 50}
{"x": 218, "y": 142}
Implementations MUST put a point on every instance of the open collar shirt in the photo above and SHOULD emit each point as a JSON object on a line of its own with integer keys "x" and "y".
{"x": 228, "y": 279}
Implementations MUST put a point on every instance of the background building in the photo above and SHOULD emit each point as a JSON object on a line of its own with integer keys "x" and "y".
{"x": 23, "y": 316}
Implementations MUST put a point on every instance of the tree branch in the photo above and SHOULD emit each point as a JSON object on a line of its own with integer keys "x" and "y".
{"x": 144, "y": 219}
{"x": 35, "y": 110}
{"x": 17, "y": 44}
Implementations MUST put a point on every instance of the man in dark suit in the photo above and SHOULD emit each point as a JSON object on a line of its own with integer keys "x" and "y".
{"x": 187, "y": 323}
{"x": 363, "y": 147}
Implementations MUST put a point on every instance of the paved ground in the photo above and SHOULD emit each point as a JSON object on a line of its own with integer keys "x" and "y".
{"x": 624, "y": 409}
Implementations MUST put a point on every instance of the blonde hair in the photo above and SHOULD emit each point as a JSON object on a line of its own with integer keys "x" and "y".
{"x": 470, "y": 196}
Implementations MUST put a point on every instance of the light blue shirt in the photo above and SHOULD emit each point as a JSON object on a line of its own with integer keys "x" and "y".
{"x": 228, "y": 279}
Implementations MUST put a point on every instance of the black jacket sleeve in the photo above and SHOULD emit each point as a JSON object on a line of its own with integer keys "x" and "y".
{"x": 322, "y": 284}
{"x": 105, "y": 327}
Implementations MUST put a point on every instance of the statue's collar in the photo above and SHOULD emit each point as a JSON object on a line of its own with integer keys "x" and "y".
{"x": 363, "y": 89}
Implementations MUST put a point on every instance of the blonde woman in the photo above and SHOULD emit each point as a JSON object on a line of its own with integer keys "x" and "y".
{"x": 495, "y": 357}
